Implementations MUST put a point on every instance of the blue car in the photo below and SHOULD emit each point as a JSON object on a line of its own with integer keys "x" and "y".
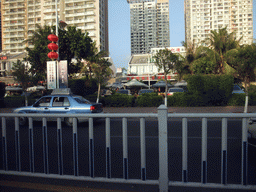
{"x": 60, "y": 101}
{"x": 237, "y": 89}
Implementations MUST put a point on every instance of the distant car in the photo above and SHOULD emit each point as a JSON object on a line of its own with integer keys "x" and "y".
{"x": 252, "y": 129}
{"x": 124, "y": 91}
{"x": 237, "y": 89}
{"x": 142, "y": 91}
{"x": 106, "y": 92}
{"x": 171, "y": 91}
{"x": 60, "y": 101}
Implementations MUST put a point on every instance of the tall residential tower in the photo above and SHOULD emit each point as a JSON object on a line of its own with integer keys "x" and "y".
{"x": 149, "y": 25}
{"x": 202, "y": 16}
{"x": 19, "y": 19}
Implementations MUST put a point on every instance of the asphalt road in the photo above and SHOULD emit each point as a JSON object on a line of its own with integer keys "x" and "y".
{"x": 152, "y": 161}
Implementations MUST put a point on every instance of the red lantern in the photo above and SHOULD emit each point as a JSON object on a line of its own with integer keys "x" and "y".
{"x": 52, "y": 46}
{"x": 53, "y": 55}
{"x": 53, "y": 37}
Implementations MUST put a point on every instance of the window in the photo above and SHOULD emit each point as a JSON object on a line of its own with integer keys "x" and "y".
{"x": 60, "y": 102}
{"x": 44, "y": 102}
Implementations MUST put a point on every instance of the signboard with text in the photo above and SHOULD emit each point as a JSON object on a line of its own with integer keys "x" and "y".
{"x": 51, "y": 74}
{"x": 63, "y": 74}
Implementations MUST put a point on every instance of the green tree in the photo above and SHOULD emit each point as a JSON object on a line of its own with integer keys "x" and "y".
{"x": 37, "y": 56}
{"x": 243, "y": 60}
{"x": 21, "y": 74}
{"x": 72, "y": 44}
{"x": 221, "y": 42}
{"x": 101, "y": 72}
{"x": 165, "y": 60}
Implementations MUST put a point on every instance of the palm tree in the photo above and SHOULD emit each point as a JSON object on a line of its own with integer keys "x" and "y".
{"x": 221, "y": 42}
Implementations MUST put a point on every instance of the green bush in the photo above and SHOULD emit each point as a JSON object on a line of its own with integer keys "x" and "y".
{"x": 185, "y": 100}
{"x": 119, "y": 100}
{"x": 149, "y": 100}
{"x": 237, "y": 99}
{"x": 213, "y": 90}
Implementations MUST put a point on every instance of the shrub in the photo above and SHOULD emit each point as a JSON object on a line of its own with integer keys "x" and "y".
{"x": 213, "y": 90}
{"x": 149, "y": 100}
{"x": 237, "y": 99}
{"x": 119, "y": 100}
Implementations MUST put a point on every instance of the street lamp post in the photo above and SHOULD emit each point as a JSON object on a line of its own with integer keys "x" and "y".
{"x": 57, "y": 34}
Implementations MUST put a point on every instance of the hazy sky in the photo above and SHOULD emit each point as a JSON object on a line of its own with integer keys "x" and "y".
{"x": 119, "y": 28}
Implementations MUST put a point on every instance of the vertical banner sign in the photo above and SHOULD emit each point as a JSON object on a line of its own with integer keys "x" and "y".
{"x": 51, "y": 74}
{"x": 63, "y": 74}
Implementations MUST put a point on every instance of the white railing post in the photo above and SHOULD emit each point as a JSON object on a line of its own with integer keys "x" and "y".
{"x": 17, "y": 144}
{"x": 163, "y": 148}
{"x": 204, "y": 151}
{"x": 31, "y": 145}
{"x": 143, "y": 148}
{"x": 224, "y": 151}
{"x": 45, "y": 147}
{"x": 184, "y": 149}
{"x": 4, "y": 144}
{"x": 108, "y": 149}
{"x": 244, "y": 151}
{"x": 125, "y": 149}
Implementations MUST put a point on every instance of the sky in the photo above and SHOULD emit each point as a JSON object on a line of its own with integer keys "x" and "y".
{"x": 119, "y": 28}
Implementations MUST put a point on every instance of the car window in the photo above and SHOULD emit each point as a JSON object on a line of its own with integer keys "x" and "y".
{"x": 43, "y": 102}
{"x": 81, "y": 100}
{"x": 60, "y": 102}
{"x": 123, "y": 91}
{"x": 175, "y": 90}
{"x": 236, "y": 88}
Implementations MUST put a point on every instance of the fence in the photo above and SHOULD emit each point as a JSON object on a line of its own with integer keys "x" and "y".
{"x": 162, "y": 117}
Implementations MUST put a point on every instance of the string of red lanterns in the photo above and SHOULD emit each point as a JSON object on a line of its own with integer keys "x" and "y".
{"x": 53, "y": 46}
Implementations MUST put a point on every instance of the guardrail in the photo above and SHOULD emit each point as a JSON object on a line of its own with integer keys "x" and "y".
{"x": 162, "y": 117}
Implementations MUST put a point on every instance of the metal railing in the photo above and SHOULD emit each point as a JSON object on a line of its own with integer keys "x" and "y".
{"x": 162, "y": 117}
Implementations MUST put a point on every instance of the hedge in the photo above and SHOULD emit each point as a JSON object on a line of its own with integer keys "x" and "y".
{"x": 149, "y": 100}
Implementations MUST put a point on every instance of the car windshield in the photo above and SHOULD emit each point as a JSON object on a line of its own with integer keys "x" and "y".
{"x": 81, "y": 100}
{"x": 146, "y": 91}
{"x": 123, "y": 91}
{"x": 175, "y": 90}
{"x": 236, "y": 88}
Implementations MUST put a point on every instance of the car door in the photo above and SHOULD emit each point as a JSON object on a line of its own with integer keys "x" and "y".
{"x": 60, "y": 104}
{"x": 42, "y": 106}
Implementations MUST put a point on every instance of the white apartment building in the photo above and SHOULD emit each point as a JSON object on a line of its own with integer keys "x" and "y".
{"x": 19, "y": 19}
{"x": 141, "y": 64}
{"x": 149, "y": 20}
{"x": 202, "y": 16}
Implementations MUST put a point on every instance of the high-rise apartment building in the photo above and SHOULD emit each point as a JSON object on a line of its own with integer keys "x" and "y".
{"x": 149, "y": 25}
{"x": 202, "y": 16}
{"x": 19, "y": 19}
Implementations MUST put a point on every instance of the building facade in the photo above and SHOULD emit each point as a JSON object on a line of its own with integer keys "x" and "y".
{"x": 143, "y": 64}
{"x": 202, "y": 16}
{"x": 19, "y": 19}
{"x": 149, "y": 20}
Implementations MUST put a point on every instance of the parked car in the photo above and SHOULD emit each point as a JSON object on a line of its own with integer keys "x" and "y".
{"x": 252, "y": 129}
{"x": 142, "y": 91}
{"x": 124, "y": 91}
{"x": 173, "y": 90}
{"x": 60, "y": 101}
{"x": 237, "y": 89}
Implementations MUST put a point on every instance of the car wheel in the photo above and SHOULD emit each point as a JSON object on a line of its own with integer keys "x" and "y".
{"x": 69, "y": 121}
{"x": 23, "y": 120}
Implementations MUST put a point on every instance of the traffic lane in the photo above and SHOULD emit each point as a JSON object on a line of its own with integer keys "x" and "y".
{"x": 174, "y": 146}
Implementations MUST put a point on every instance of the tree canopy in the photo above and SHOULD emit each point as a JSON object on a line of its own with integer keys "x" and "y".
{"x": 72, "y": 44}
